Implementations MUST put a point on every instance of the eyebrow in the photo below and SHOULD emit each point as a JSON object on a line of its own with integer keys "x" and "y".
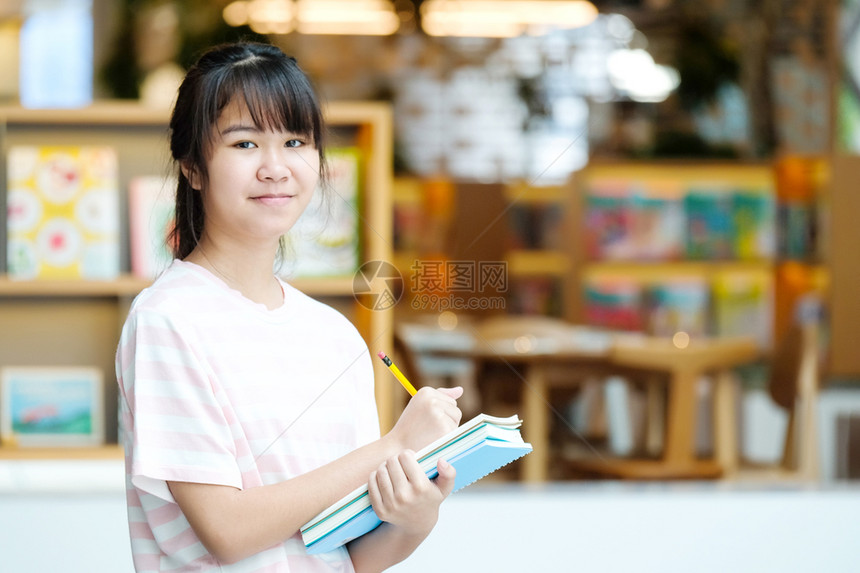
{"x": 238, "y": 127}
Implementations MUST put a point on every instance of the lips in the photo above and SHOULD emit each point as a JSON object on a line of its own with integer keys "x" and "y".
{"x": 274, "y": 200}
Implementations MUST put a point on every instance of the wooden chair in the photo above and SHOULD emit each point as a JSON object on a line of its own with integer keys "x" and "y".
{"x": 793, "y": 385}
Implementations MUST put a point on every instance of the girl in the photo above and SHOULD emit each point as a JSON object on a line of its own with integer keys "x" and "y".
{"x": 247, "y": 406}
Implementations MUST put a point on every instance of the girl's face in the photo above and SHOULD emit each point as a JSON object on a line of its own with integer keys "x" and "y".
{"x": 259, "y": 181}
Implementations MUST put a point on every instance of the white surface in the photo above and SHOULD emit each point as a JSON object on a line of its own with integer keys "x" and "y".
{"x": 626, "y": 528}
{"x": 62, "y": 476}
{"x": 582, "y": 528}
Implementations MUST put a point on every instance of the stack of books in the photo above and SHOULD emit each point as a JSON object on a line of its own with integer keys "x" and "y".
{"x": 477, "y": 448}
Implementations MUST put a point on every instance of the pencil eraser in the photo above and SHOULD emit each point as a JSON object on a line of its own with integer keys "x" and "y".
{"x": 381, "y": 354}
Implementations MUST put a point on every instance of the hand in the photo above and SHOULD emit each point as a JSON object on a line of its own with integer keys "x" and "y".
{"x": 429, "y": 415}
{"x": 402, "y": 495}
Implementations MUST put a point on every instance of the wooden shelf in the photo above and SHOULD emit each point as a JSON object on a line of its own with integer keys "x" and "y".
{"x": 524, "y": 193}
{"x": 80, "y": 318}
{"x": 108, "y": 113}
{"x": 537, "y": 263}
{"x": 121, "y": 112}
{"x": 661, "y": 270}
{"x": 336, "y": 286}
{"x": 125, "y": 285}
{"x": 106, "y": 452}
{"x": 720, "y": 174}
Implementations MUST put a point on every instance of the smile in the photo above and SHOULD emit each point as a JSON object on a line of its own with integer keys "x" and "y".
{"x": 274, "y": 200}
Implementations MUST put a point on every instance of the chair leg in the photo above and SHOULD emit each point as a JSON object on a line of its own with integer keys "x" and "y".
{"x": 725, "y": 423}
{"x": 655, "y": 416}
{"x": 789, "y": 450}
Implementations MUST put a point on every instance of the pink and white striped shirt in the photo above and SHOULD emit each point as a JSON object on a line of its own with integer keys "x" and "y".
{"x": 218, "y": 389}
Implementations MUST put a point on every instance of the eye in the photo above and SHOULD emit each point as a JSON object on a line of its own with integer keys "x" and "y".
{"x": 294, "y": 143}
{"x": 245, "y": 145}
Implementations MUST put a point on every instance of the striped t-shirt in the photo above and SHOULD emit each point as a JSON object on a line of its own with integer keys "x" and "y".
{"x": 217, "y": 389}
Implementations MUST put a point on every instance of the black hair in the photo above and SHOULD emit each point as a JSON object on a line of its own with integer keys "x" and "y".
{"x": 278, "y": 96}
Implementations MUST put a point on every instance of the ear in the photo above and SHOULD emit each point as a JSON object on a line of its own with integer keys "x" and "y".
{"x": 190, "y": 173}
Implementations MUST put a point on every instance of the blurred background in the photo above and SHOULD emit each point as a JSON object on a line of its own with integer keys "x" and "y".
{"x": 630, "y": 222}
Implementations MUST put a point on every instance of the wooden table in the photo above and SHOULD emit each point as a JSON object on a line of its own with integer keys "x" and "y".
{"x": 683, "y": 363}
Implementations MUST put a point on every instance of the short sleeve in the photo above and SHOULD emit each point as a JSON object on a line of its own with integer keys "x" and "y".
{"x": 175, "y": 426}
{"x": 367, "y": 419}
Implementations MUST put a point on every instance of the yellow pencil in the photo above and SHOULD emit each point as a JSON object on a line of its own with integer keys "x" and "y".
{"x": 397, "y": 374}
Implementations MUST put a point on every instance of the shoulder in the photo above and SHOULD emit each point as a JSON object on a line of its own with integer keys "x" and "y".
{"x": 311, "y": 311}
{"x": 178, "y": 288}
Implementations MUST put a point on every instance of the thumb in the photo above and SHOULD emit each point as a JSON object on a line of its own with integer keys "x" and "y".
{"x": 454, "y": 392}
{"x": 445, "y": 479}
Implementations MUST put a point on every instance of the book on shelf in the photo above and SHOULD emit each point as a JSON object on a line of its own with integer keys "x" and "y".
{"x": 709, "y": 224}
{"x": 743, "y": 305}
{"x": 607, "y": 221}
{"x": 535, "y": 295}
{"x": 151, "y": 204}
{"x": 475, "y": 449}
{"x": 535, "y": 225}
{"x": 614, "y": 303}
{"x": 63, "y": 216}
{"x": 657, "y": 222}
{"x": 754, "y": 218}
{"x": 678, "y": 305}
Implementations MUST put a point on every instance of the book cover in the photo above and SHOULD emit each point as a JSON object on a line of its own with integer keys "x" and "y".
{"x": 475, "y": 449}
{"x": 754, "y": 216}
{"x": 678, "y": 305}
{"x": 743, "y": 304}
{"x": 324, "y": 242}
{"x": 657, "y": 222}
{"x": 538, "y": 295}
{"x": 709, "y": 224}
{"x": 607, "y": 221}
{"x": 614, "y": 303}
{"x": 151, "y": 218}
{"x": 62, "y": 212}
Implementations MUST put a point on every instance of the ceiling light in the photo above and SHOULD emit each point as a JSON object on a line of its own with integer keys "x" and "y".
{"x": 634, "y": 73}
{"x": 356, "y": 17}
{"x": 503, "y": 18}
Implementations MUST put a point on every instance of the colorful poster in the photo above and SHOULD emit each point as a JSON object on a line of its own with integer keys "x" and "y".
{"x": 62, "y": 213}
{"x": 58, "y": 406}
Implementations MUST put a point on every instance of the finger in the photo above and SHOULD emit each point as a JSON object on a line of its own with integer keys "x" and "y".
{"x": 383, "y": 482}
{"x": 454, "y": 392}
{"x": 412, "y": 469}
{"x": 375, "y": 495}
{"x": 445, "y": 479}
{"x": 396, "y": 475}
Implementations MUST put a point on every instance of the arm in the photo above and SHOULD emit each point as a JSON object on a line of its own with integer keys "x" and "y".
{"x": 233, "y": 524}
{"x": 408, "y": 504}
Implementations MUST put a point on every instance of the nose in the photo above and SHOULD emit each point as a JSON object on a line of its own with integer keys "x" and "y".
{"x": 276, "y": 165}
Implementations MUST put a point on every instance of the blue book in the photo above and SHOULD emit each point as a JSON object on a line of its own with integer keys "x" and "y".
{"x": 475, "y": 449}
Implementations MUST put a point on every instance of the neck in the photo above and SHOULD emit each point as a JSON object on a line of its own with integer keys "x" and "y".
{"x": 247, "y": 271}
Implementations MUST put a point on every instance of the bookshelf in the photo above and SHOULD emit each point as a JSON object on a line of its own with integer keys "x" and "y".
{"x": 686, "y": 233}
{"x": 77, "y": 322}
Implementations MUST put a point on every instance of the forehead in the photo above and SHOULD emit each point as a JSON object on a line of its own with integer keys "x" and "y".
{"x": 234, "y": 113}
